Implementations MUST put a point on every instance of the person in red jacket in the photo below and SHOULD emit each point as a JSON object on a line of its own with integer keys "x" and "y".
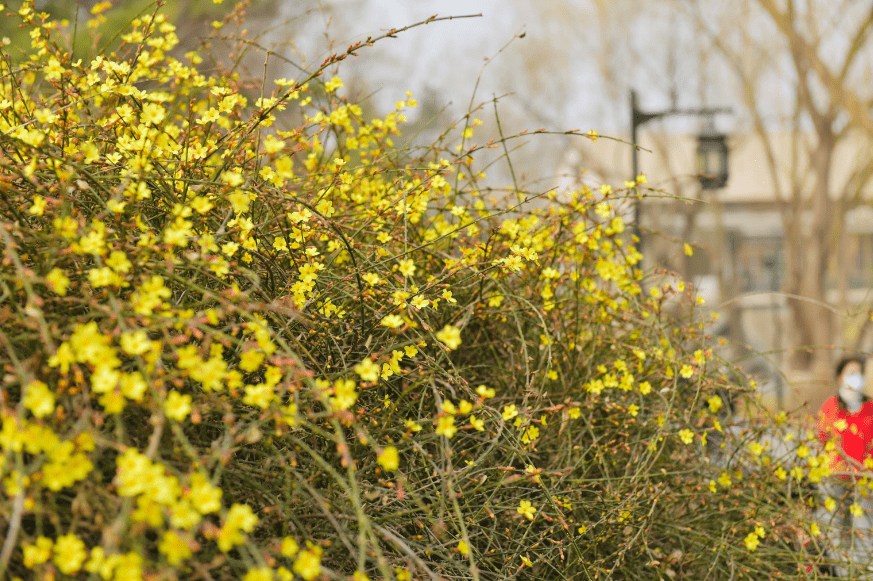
{"x": 847, "y": 419}
{"x": 845, "y": 428}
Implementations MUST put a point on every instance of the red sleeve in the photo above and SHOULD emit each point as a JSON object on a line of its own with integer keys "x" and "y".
{"x": 867, "y": 423}
{"x": 826, "y": 417}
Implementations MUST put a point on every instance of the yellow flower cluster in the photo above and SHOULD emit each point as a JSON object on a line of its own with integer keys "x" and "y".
{"x": 65, "y": 461}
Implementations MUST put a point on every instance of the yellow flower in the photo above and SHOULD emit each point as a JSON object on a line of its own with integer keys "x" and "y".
{"x": 392, "y": 321}
{"x": 478, "y": 424}
{"x": 177, "y": 406}
{"x": 57, "y": 281}
{"x": 259, "y": 395}
{"x": 530, "y": 434}
{"x": 44, "y": 115}
{"x": 446, "y": 426}
{"x": 333, "y": 84}
{"x": 447, "y": 296}
{"x": 715, "y": 403}
{"x": 485, "y": 392}
{"x": 450, "y": 336}
{"x": 856, "y": 510}
{"x": 308, "y": 563}
{"x": 687, "y": 371}
{"x": 406, "y": 267}
{"x": 752, "y": 541}
{"x": 495, "y": 301}
{"x": 232, "y": 177}
{"x": 259, "y": 574}
{"x": 211, "y": 115}
{"x": 531, "y": 469}
{"x": 239, "y": 518}
{"x": 279, "y": 243}
{"x": 205, "y": 497}
{"x": 686, "y": 435}
{"x": 251, "y": 360}
{"x": 152, "y": 113}
{"x": 814, "y": 529}
{"x": 527, "y": 562}
{"x": 526, "y": 510}
{"x": 367, "y": 370}
{"x": 135, "y": 343}
{"x": 645, "y": 387}
{"x": 509, "y": 412}
{"x": 39, "y": 399}
{"x": 201, "y": 205}
{"x": 344, "y": 394}
{"x": 54, "y": 69}
{"x": 37, "y": 554}
{"x": 174, "y": 548}
{"x": 463, "y": 548}
{"x": 273, "y": 145}
{"x": 389, "y": 459}
{"x": 289, "y": 547}
{"x": 69, "y": 554}
{"x": 38, "y": 206}
{"x": 419, "y": 302}
{"x": 688, "y": 249}
{"x": 99, "y": 277}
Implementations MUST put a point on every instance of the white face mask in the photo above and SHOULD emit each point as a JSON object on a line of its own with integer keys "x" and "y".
{"x": 855, "y": 382}
{"x": 852, "y": 391}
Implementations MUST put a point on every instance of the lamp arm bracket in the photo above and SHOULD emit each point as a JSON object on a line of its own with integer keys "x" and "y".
{"x": 642, "y": 117}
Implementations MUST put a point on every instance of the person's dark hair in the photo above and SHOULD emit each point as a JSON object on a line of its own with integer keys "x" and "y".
{"x": 849, "y": 359}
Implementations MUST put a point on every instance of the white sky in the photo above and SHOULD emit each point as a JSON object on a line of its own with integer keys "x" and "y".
{"x": 570, "y": 71}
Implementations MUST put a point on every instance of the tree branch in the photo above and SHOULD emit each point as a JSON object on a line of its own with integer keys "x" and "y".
{"x": 841, "y": 95}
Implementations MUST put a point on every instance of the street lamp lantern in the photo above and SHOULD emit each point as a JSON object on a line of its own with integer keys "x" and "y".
{"x": 712, "y": 151}
{"x": 712, "y": 158}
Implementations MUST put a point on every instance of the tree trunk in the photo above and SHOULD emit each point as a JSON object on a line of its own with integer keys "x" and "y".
{"x": 813, "y": 315}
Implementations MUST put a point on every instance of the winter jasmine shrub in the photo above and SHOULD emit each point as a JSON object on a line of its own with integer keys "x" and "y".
{"x": 246, "y": 337}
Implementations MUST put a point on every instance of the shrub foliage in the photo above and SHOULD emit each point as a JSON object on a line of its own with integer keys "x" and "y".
{"x": 245, "y": 335}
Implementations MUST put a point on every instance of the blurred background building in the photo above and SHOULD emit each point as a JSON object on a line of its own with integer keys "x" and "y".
{"x": 741, "y": 236}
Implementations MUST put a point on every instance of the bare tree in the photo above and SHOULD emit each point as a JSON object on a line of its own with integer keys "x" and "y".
{"x": 798, "y": 44}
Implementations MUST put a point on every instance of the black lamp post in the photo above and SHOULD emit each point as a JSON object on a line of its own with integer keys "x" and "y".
{"x": 712, "y": 150}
